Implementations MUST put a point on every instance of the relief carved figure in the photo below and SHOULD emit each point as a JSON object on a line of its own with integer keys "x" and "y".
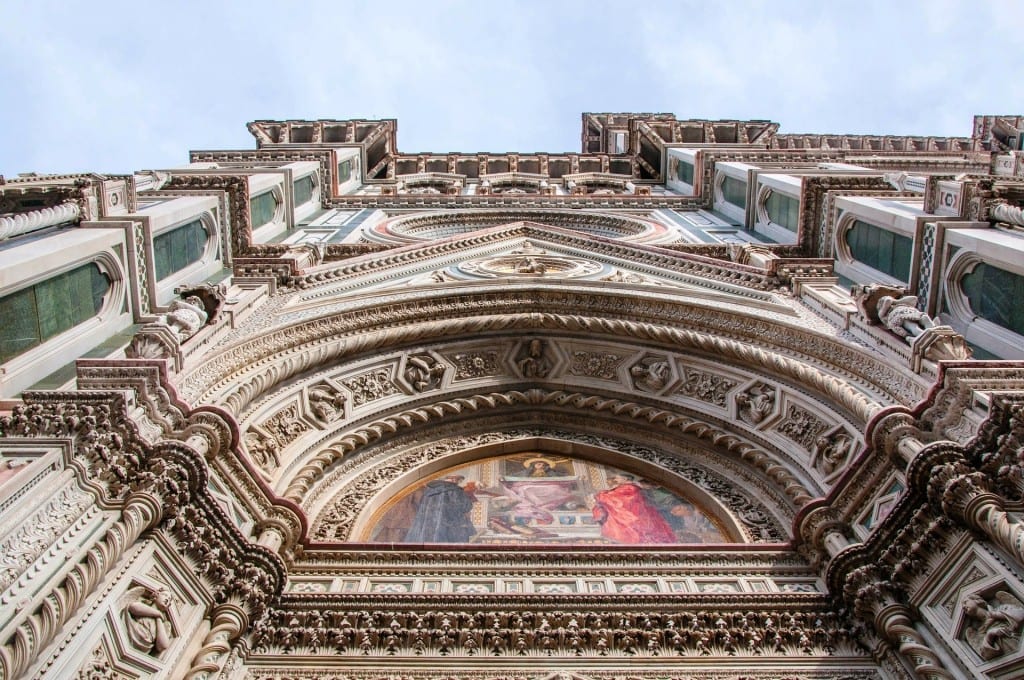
{"x": 147, "y": 619}
{"x": 263, "y": 450}
{"x": 534, "y": 363}
{"x": 326, "y": 403}
{"x": 902, "y": 317}
{"x": 424, "y": 372}
{"x": 995, "y": 624}
{"x": 651, "y": 374}
{"x": 898, "y": 312}
{"x": 831, "y": 452}
{"x": 186, "y": 317}
{"x": 756, "y": 404}
{"x": 530, "y": 265}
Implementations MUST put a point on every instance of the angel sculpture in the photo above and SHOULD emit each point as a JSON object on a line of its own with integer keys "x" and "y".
{"x": 147, "y": 619}
{"x": 998, "y": 627}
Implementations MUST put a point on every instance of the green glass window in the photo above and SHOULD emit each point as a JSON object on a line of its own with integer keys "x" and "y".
{"x": 995, "y": 295}
{"x": 31, "y": 316}
{"x": 344, "y": 171}
{"x": 262, "y": 208}
{"x": 176, "y": 249}
{"x": 783, "y": 210}
{"x": 734, "y": 191}
{"x": 303, "y": 189}
{"x": 881, "y": 249}
{"x": 684, "y": 171}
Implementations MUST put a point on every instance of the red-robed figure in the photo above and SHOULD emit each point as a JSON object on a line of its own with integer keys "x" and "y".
{"x": 626, "y": 516}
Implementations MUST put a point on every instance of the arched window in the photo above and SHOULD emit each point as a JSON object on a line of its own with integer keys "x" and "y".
{"x": 303, "y": 189}
{"x": 734, "y": 191}
{"x": 684, "y": 171}
{"x": 178, "y": 248}
{"x": 995, "y": 295}
{"x": 263, "y": 208}
{"x": 783, "y": 210}
{"x": 881, "y": 249}
{"x": 344, "y": 171}
{"x": 31, "y": 316}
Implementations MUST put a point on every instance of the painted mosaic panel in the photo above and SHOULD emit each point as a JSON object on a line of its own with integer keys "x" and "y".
{"x": 530, "y": 498}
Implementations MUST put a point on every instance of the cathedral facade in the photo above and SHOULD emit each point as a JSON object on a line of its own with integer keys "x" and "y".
{"x": 702, "y": 400}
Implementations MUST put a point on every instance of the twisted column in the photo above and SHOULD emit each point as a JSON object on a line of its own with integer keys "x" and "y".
{"x": 229, "y": 620}
{"x": 141, "y": 512}
{"x": 894, "y": 621}
{"x": 1004, "y": 212}
{"x": 874, "y": 601}
{"x": 16, "y": 224}
{"x": 966, "y": 497}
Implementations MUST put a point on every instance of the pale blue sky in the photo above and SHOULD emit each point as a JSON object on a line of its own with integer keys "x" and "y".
{"x": 121, "y": 86}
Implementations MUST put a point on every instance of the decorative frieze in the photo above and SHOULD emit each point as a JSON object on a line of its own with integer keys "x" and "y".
{"x": 526, "y": 634}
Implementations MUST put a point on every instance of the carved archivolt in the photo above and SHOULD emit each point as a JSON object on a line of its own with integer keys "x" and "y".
{"x": 240, "y": 375}
{"x": 310, "y": 471}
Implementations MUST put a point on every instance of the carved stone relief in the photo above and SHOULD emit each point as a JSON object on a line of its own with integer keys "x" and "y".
{"x": 371, "y": 386}
{"x": 263, "y": 450}
{"x": 651, "y": 374}
{"x": 326, "y": 402}
{"x": 602, "y": 365}
{"x": 148, "y": 619}
{"x": 831, "y": 451}
{"x": 622, "y": 276}
{"x": 534, "y": 359}
{"x": 993, "y": 624}
{"x": 34, "y": 536}
{"x": 801, "y": 426}
{"x": 706, "y": 387}
{"x": 756, "y": 403}
{"x": 423, "y": 372}
{"x": 99, "y": 667}
{"x": 285, "y": 426}
{"x": 469, "y": 365}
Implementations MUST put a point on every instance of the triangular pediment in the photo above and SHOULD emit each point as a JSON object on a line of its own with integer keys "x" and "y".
{"x": 529, "y": 254}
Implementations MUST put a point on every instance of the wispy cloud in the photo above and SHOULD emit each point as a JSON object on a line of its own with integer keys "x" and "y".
{"x": 124, "y": 86}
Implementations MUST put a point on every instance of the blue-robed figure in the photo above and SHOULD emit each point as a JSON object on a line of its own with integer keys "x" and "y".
{"x": 442, "y": 515}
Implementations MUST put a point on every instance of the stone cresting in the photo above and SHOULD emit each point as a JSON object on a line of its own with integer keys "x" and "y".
{"x": 158, "y": 486}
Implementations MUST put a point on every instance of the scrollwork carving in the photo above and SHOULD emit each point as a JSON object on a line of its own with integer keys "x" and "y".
{"x": 801, "y": 426}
